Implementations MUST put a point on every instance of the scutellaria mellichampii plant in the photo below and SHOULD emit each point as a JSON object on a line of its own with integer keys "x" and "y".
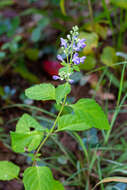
{"x": 86, "y": 114}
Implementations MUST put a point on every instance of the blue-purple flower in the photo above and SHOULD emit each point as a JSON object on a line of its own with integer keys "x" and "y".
{"x": 71, "y": 81}
{"x": 80, "y": 44}
{"x": 77, "y": 60}
{"x": 82, "y": 59}
{"x": 63, "y": 42}
{"x": 59, "y": 57}
{"x": 69, "y": 49}
{"x": 55, "y": 77}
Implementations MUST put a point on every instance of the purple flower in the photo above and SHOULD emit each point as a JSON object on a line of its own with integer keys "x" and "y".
{"x": 63, "y": 42}
{"x": 76, "y": 59}
{"x": 59, "y": 57}
{"x": 75, "y": 48}
{"x": 79, "y": 45}
{"x": 71, "y": 81}
{"x": 82, "y": 59}
{"x": 55, "y": 77}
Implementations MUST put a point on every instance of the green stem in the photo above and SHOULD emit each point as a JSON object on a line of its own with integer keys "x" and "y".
{"x": 108, "y": 16}
{"x": 114, "y": 118}
{"x": 8, "y": 66}
{"x": 82, "y": 145}
{"x": 99, "y": 82}
{"x": 121, "y": 84}
{"x": 91, "y": 13}
{"x": 100, "y": 173}
{"x": 30, "y": 108}
{"x": 50, "y": 132}
{"x": 118, "y": 107}
{"x": 64, "y": 151}
{"x": 87, "y": 158}
{"x": 121, "y": 29}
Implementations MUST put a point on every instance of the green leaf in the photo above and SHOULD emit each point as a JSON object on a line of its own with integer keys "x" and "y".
{"x": 99, "y": 27}
{"x": 32, "y": 54}
{"x": 4, "y": 3}
{"x": 41, "y": 92}
{"x": 92, "y": 112}
{"x": 26, "y": 122}
{"x": 26, "y": 141}
{"x": 36, "y": 34}
{"x": 76, "y": 68}
{"x": 89, "y": 63}
{"x": 73, "y": 122}
{"x": 108, "y": 56}
{"x": 31, "y": 11}
{"x": 91, "y": 41}
{"x": 120, "y": 3}
{"x": 15, "y": 22}
{"x": 13, "y": 47}
{"x": 65, "y": 70}
{"x": 8, "y": 170}
{"x": 87, "y": 114}
{"x": 5, "y": 46}
{"x": 57, "y": 185}
{"x": 2, "y": 54}
{"x": 62, "y": 7}
{"x": 62, "y": 91}
{"x": 38, "y": 178}
{"x": 25, "y": 73}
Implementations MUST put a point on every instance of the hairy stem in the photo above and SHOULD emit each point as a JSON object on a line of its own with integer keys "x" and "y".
{"x": 50, "y": 132}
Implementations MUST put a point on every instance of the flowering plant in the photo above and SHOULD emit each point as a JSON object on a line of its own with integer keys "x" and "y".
{"x": 70, "y": 48}
{"x": 30, "y": 136}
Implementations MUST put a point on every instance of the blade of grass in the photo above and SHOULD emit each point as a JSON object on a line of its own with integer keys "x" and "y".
{"x": 99, "y": 172}
{"x": 79, "y": 140}
{"x": 94, "y": 157}
{"x": 114, "y": 118}
{"x": 118, "y": 107}
{"x": 111, "y": 179}
{"x": 99, "y": 82}
{"x": 63, "y": 150}
{"x": 121, "y": 28}
{"x": 75, "y": 174}
{"x": 103, "y": 67}
{"x": 106, "y": 9}
{"x": 121, "y": 84}
{"x": 91, "y": 13}
{"x": 106, "y": 105}
{"x": 30, "y": 107}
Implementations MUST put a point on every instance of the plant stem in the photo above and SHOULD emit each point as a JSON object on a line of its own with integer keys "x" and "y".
{"x": 64, "y": 151}
{"x": 114, "y": 118}
{"x": 121, "y": 84}
{"x": 91, "y": 13}
{"x": 31, "y": 108}
{"x": 50, "y": 132}
{"x": 108, "y": 17}
{"x": 119, "y": 104}
{"x": 82, "y": 145}
{"x": 99, "y": 172}
{"x": 87, "y": 158}
{"x": 121, "y": 29}
{"x": 99, "y": 82}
